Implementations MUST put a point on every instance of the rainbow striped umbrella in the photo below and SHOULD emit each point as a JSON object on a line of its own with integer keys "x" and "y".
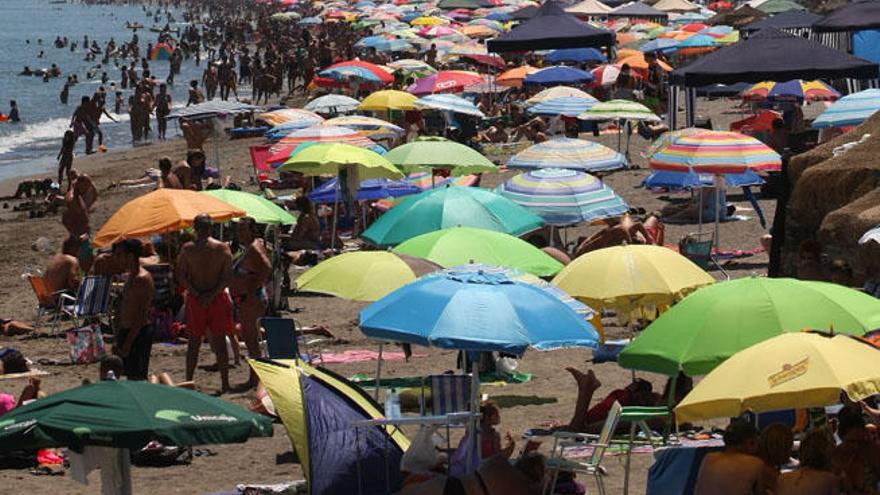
{"x": 568, "y": 153}
{"x": 850, "y": 110}
{"x": 563, "y": 197}
{"x": 715, "y": 152}
{"x": 281, "y": 150}
{"x": 794, "y": 90}
{"x": 357, "y": 70}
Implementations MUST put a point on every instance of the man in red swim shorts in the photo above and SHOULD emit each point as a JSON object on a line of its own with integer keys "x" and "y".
{"x": 204, "y": 268}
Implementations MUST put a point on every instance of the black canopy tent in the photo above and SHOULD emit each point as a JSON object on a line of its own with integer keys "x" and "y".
{"x": 797, "y": 22}
{"x": 836, "y": 29}
{"x": 524, "y": 13}
{"x": 639, "y": 10}
{"x": 769, "y": 55}
{"x": 551, "y": 28}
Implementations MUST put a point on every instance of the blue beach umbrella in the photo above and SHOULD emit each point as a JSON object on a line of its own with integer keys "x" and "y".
{"x": 476, "y": 311}
{"x": 450, "y": 103}
{"x": 553, "y": 76}
{"x": 689, "y": 180}
{"x": 659, "y": 44}
{"x": 579, "y": 55}
{"x": 570, "y": 106}
{"x": 852, "y": 109}
{"x": 369, "y": 190}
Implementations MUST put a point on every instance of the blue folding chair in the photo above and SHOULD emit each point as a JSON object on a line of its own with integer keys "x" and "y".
{"x": 92, "y": 299}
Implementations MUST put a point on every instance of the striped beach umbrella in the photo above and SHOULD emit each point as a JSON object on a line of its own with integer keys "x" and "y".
{"x": 450, "y": 103}
{"x": 850, "y": 110}
{"x": 794, "y": 90}
{"x": 557, "y": 92}
{"x": 563, "y": 197}
{"x": 568, "y": 153}
{"x": 619, "y": 110}
{"x": 281, "y": 150}
{"x": 357, "y": 70}
{"x": 570, "y": 106}
{"x": 715, "y": 152}
{"x": 410, "y": 66}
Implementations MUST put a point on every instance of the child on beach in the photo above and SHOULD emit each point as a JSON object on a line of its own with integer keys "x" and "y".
{"x": 65, "y": 156}
{"x": 490, "y": 439}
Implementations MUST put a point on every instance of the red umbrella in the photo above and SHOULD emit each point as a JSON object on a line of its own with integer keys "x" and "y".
{"x": 490, "y": 60}
{"x": 445, "y": 81}
{"x": 721, "y": 5}
{"x": 694, "y": 27}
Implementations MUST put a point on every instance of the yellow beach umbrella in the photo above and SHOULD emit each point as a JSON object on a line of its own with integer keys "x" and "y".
{"x": 792, "y": 370}
{"x": 331, "y": 158}
{"x": 388, "y": 99}
{"x": 428, "y": 21}
{"x": 634, "y": 280}
{"x": 160, "y": 212}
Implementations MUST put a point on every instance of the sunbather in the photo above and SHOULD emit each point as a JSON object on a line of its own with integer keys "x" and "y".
{"x": 495, "y": 475}
{"x": 14, "y": 327}
{"x": 736, "y": 470}
{"x": 62, "y": 272}
{"x": 624, "y": 229}
{"x": 814, "y": 476}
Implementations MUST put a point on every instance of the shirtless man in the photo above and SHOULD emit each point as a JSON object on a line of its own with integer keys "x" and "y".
{"x": 62, "y": 272}
{"x": 250, "y": 273}
{"x": 204, "y": 268}
{"x": 183, "y": 173}
{"x": 195, "y": 132}
{"x": 134, "y": 336}
{"x": 168, "y": 180}
{"x": 736, "y": 470}
{"x": 76, "y": 220}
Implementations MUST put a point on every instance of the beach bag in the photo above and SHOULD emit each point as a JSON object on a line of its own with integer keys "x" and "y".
{"x": 86, "y": 344}
{"x": 421, "y": 456}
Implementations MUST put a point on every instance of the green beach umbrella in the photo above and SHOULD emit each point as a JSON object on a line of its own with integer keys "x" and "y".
{"x": 259, "y": 208}
{"x": 452, "y": 206}
{"x": 128, "y": 415}
{"x": 463, "y": 245}
{"x": 330, "y": 158}
{"x": 717, "y": 321}
{"x": 619, "y": 110}
{"x": 438, "y": 152}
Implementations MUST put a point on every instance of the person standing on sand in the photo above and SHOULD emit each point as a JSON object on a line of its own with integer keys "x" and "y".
{"x": 65, "y": 157}
{"x": 134, "y": 337}
{"x": 204, "y": 269}
{"x": 76, "y": 220}
{"x": 163, "y": 108}
{"x": 250, "y": 273}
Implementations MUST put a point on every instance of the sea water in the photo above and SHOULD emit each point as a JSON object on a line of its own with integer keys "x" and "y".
{"x": 31, "y": 146}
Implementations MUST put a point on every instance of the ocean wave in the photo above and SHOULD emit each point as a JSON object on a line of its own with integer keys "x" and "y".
{"x": 44, "y": 133}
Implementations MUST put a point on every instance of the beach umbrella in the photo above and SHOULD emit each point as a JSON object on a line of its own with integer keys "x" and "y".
{"x": 289, "y": 119}
{"x": 357, "y": 70}
{"x": 693, "y": 27}
{"x": 478, "y": 31}
{"x": 437, "y": 31}
{"x": 794, "y": 90}
{"x": 428, "y": 21}
{"x": 871, "y": 235}
{"x": 160, "y": 212}
{"x": 364, "y": 275}
{"x": 412, "y": 67}
{"x": 317, "y": 408}
{"x": 637, "y": 61}
{"x": 563, "y": 197}
{"x": 127, "y": 415}
{"x": 281, "y": 151}
{"x": 448, "y": 103}
{"x": 388, "y": 100}
{"x": 577, "y": 55}
{"x": 331, "y": 158}
{"x": 697, "y": 44}
{"x": 558, "y": 92}
{"x": 445, "y": 81}
{"x": 445, "y": 207}
{"x": 714, "y": 152}
{"x": 692, "y": 180}
{"x": 553, "y": 76}
{"x": 368, "y": 126}
{"x": 439, "y": 153}
{"x": 852, "y": 109}
{"x": 285, "y": 16}
{"x": 393, "y": 45}
{"x": 619, "y": 110}
{"x": 368, "y": 190}
{"x": 476, "y": 311}
{"x": 464, "y": 4}
{"x": 789, "y": 371}
{"x": 162, "y": 51}
{"x": 514, "y": 77}
{"x": 606, "y": 75}
{"x": 462, "y": 245}
{"x": 659, "y": 44}
{"x": 636, "y": 281}
{"x": 569, "y": 153}
{"x": 257, "y": 207}
{"x": 468, "y": 48}
{"x": 626, "y": 52}
{"x": 569, "y": 106}
{"x": 716, "y": 322}
{"x": 332, "y": 104}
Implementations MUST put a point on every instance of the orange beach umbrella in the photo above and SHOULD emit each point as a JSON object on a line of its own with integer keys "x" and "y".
{"x": 160, "y": 212}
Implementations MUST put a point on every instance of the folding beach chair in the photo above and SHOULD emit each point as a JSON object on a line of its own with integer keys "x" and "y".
{"x": 696, "y": 248}
{"x": 92, "y": 299}
{"x": 449, "y": 394}
{"x": 638, "y": 417}
{"x": 280, "y": 337}
{"x": 48, "y": 302}
{"x": 563, "y": 440}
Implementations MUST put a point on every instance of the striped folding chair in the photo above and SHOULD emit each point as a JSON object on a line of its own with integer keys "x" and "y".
{"x": 450, "y": 394}
{"x": 92, "y": 299}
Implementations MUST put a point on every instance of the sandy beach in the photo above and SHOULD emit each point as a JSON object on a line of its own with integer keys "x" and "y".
{"x": 549, "y": 397}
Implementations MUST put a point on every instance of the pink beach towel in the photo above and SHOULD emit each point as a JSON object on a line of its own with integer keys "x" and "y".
{"x": 361, "y": 356}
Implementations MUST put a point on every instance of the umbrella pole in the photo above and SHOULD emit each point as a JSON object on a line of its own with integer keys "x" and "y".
{"x": 719, "y": 183}
{"x": 378, "y": 373}
{"x": 335, "y": 214}
{"x": 475, "y": 411}
{"x": 700, "y": 212}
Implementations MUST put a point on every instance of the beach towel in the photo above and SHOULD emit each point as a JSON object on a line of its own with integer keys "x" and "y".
{"x": 491, "y": 379}
{"x": 361, "y": 356}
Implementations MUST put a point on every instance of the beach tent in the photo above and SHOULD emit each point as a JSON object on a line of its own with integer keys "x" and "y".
{"x": 793, "y": 21}
{"x": 588, "y": 8}
{"x": 779, "y": 6}
{"x": 317, "y": 408}
{"x": 676, "y": 6}
{"x": 855, "y": 16}
{"x": 551, "y": 28}
{"x": 524, "y": 13}
{"x": 639, "y": 10}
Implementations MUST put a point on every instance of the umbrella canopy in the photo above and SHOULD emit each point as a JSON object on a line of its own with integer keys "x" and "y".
{"x": 628, "y": 278}
{"x": 448, "y": 103}
{"x": 794, "y": 90}
{"x": 329, "y": 158}
{"x": 578, "y": 55}
{"x": 411, "y": 66}
{"x": 793, "y": 370}
{"x": 437, "y": 152}
{"x": 659, "y": 44}
{"x": 550, "y": 28}
{"x": 364, "y": 275}
{"x": 280, "y": 151}
{"x": 162, "y": 51}
{"x": 553, "y": 76}
{"x": 716, "y": 322}
{"x": 569, "y": 106}
{"x": 476, "y": 311}
{"x": 369, "y": 190}
{"x": 461, "y": 245}
{"x": 558, "y": 92}
{"x": 714, "y": 152}
{"x": 286, "y": 120}
{"x": 388, "y": 100}
{"x": 445, "y": 81}
{"x": 357, "y": 70}
{"x": 563, "y": 197}
{"x": 575, "y": 154}
{"x": 128, "y": 414}
{"x": 437, "y": 209}
{"x": 332, "y": 104}
{"x": 619, "y": 110}
{"x": 160, "y": 212}
{"x": 852, "y": 109}
{"x": 257, "y": 207}
{"x": 368, "y": 126}
{"x": 514, "y": 77}
{"x": 692, "y": 180}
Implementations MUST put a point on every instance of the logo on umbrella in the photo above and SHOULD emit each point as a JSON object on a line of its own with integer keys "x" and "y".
{"x": 789, "y": 372}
